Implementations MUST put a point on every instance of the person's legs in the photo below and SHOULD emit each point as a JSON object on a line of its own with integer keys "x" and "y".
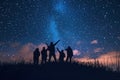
{"x": 45, "y": 59}
{"x": 42, "y": 60}
{"x": 62, "y": 59}
{"x": 37, "y": 60}
{"x": 54, "y": 57}
{"x": 70, "y": 59}
{"x": 67, "y": 59}
{"x": 50, "y": 57}
{"x": 34, "y": 60}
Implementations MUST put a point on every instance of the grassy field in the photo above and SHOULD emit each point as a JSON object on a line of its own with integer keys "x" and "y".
{"x": 55, "y": 71}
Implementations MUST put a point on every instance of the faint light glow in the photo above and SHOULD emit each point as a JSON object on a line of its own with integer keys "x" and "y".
{"x": 60, "y": 7}
{"x": 94, "y": 42}
{"x": 76, "y": 52}
{"x": 53, "y": 30}
{"x": 97, "y": 50}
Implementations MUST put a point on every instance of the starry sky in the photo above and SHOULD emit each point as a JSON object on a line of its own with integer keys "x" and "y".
{"x": 88, "y": 26}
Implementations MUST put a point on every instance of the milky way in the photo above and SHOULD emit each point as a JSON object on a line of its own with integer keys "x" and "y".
{"x": 90, "y": 26}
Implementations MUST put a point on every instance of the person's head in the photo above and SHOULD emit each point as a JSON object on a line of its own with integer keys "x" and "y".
{"x": 43, "y": 47}
{"x": 69, "y": 47}
{"x": 62, "y": 51}
{"x": 37, "y": 49}
{"x": 51, "y": 43}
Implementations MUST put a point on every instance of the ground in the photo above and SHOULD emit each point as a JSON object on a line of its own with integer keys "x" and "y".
{"x": 55, "y": 71}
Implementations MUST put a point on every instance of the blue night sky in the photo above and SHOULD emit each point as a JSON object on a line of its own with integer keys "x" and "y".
{"x": 90, "y": 26}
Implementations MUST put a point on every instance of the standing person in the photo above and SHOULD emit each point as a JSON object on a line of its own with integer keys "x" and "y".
{"x": 69, "y": 54}
{"x": 36, "y": 55}
{"x": 62, "y": 55}
{"x": 51, "y": 49}
{"x": 44, "y": 55}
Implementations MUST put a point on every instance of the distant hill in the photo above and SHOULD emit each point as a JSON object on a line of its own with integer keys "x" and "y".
{"x": 55, "y": 71}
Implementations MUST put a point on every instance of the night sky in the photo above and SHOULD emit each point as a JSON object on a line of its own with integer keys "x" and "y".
{"x": 88, "y": 26}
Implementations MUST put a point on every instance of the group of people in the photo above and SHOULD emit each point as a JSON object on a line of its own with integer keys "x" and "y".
{"x": 51, "y": 49}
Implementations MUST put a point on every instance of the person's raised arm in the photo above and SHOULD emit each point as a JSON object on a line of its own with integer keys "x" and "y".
{"x": 56, "y": 42}
{"x": 47, "y": 46}
{"x": 58, "y": 50}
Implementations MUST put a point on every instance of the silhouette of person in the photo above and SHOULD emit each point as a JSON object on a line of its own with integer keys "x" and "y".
{"x": 62, "y": 55}
{"x": 69, "y": 54}
{"x": 51, "y": 49}
{"x": 44, "y": 55}
{"x": 36, "y": 55}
